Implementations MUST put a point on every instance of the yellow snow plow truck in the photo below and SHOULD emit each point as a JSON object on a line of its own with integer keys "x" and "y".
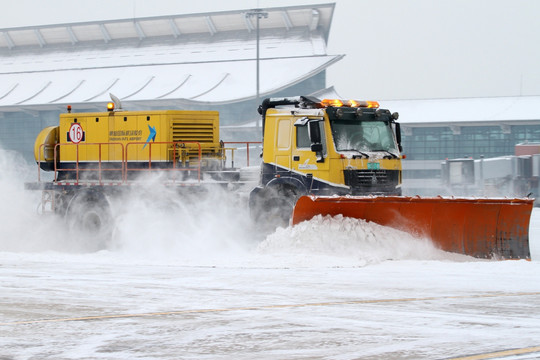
{"x": 344, "y": 157}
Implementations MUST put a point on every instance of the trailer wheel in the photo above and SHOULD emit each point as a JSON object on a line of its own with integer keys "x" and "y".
{"x": 89, "y": 218}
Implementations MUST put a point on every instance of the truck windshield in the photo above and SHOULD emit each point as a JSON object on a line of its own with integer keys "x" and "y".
{"x": 372, "y": 135}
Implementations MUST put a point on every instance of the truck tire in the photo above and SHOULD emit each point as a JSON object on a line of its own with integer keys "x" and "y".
{"x": 89, "y": 218}
{"x": 272, "y": 207}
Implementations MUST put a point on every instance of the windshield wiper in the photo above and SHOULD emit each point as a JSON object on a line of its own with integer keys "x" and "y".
{"x": 394, "y": 156}
{"x": 358, "y": 151}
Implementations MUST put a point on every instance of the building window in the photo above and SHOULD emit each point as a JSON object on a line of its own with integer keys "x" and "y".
{"x": 439, "y": 143}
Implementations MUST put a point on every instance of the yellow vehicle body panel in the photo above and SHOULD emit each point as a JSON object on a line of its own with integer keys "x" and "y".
{"x": 143, "y": 135}
{"x": 44, "y": 145}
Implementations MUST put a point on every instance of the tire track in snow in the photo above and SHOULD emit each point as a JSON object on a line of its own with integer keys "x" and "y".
{"x": 267, "y": 307}
{"x": 502, "y": 354}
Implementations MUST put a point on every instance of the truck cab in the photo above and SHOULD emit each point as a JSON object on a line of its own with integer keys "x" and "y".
{"x": 328, "y": 147}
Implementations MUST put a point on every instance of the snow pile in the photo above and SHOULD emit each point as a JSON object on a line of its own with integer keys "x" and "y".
{"x": 214, "y": 229}
{"x": 335, "y": 240}
{"x": 157, "y": 224}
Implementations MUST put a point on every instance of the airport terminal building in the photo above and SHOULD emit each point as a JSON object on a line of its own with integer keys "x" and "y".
{"x": 199, "y": 61}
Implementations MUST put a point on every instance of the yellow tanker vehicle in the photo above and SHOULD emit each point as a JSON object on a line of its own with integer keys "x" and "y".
{"x": 119, "y": 144}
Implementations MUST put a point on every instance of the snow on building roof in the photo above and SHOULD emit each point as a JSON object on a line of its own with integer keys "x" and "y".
{"x": 201, "y": 58}
{"x": 311, "y": 17}
{"x": 465, "y": 111}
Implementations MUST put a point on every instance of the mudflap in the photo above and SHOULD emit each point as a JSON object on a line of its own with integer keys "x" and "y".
{"x": 479, "y": 227}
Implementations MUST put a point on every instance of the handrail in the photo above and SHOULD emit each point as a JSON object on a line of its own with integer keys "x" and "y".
{"x": 124, "y": 161}
{"x": 247, "y": 143}
{"x": 174, "y": 147}
{"x": 225, "y": 156}
{"x": 77, "y": 168}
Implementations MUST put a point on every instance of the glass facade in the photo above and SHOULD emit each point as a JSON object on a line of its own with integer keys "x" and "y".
{"x": 439, "y": 143}
{"x": 18, "y": 130}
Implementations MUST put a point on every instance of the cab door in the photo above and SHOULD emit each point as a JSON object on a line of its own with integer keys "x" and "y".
{"x": 308, "y": 156}
{"x": 282, "y": 155}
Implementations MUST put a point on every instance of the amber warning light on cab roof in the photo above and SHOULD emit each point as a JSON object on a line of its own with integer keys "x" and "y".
{"x": 110, "y": 106}
{"x": 349, "y": 103}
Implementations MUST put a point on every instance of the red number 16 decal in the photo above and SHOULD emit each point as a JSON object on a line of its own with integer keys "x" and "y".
{"x": 76, "y": 133}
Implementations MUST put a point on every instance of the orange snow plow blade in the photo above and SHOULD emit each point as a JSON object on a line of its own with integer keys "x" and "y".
{"x": 483, "y": 228}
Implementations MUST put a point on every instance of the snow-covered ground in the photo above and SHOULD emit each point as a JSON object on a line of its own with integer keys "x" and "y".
{"x": 196, "y": 281}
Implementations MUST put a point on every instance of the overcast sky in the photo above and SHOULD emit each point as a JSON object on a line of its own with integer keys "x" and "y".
{"x": 395, "y": 49}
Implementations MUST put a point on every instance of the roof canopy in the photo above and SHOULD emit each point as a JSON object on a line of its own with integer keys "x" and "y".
{"x": 467, "y": 111}
{"x": 200, "y": 58}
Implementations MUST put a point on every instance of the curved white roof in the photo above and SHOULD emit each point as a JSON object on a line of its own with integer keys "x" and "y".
{"x": 202, "y": 58}
{"x": 430, "y": 112}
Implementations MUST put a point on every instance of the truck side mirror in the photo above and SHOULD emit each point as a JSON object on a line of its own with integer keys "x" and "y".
{"x": 316, "y": 139}
{"x": 316, "y": 147}
{"x": 398, "y": 136}
{"x": 314, "y": 132}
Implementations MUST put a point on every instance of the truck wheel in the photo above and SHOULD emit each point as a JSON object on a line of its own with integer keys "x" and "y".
{"x": 273, "y": 207}
{"x": 278, "y": 211}
{"x": 89, "y": 217}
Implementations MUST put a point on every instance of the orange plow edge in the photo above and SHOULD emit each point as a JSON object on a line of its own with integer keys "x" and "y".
{"x": 479, "y": 227}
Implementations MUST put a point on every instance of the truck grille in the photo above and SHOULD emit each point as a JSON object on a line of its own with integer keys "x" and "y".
{"x": 371, "y": 180}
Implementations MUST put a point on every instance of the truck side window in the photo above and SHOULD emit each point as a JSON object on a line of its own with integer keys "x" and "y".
{"x": 283, "y": 134}
{"x": 302, "y": 137}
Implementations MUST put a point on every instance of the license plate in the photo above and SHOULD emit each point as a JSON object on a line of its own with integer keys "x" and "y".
{"x": 373, "y": 166}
